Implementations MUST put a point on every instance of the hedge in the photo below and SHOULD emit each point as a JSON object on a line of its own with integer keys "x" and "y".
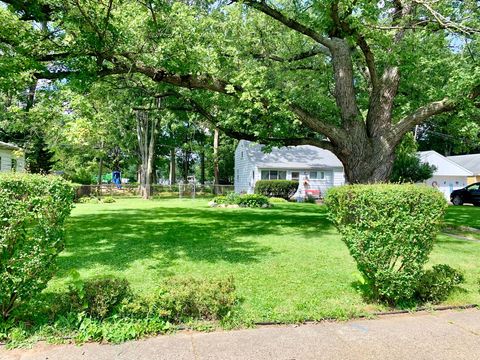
{"x": 389, "y": 230}
{"x": 284, "y": 189}
{"x": 33, "y": 209}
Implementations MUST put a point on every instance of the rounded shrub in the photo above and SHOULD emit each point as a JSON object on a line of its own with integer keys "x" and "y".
{"x": 284, "y": 189}
{"x": 437, "y": 283}
{"x": 33, "y": 209}
{"x": 389, "y": 230}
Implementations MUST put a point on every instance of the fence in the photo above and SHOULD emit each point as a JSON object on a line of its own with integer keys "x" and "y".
{"x": 133, "y": 190}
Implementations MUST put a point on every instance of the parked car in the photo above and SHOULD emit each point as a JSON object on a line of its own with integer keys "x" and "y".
{"x": 469, "y": 194}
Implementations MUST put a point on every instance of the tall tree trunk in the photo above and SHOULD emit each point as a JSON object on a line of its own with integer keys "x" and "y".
{"x": 100, "y": 171}
{"x": 202, "y": 167}
{"x": 186, "y": 167}
{"x": 216, "y": 172}
{"x": 173, "y": 166}
{"x": 146, "y": 134}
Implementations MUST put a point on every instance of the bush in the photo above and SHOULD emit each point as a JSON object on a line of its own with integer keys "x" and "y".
{"x": 184, "y": 298}
{"x": 33, "y": 209}
{"x": 108, "y": 200}
{"x": 277, "y": 200}
{"x": 244, "y": 200}
{"x": 437, "y": 283}
{"x": 98, "y": 297}
{"x": 253, "y": 200}
{"x": 389, "y": 230}
{"x": 284, "y": 189}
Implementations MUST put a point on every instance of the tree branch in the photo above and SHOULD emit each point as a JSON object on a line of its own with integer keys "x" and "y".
{"x": 289, "y": 22}
{"x": 420, "y": 115}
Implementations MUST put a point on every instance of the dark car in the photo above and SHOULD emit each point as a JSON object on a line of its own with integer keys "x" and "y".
{"x": 469, "y": 194}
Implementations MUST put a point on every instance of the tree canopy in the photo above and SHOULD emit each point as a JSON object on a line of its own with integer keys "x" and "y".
{"x": 349, "y": 76}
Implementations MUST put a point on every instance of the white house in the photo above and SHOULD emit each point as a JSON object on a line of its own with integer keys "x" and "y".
{"x": 448, "y": 176}
{"x": 470, "y": 162}
{"x": 315, "y": 169}
{"x": 12, "y": 158}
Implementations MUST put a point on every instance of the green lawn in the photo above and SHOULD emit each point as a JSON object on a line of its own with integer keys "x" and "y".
{"x": 288, "y": 261}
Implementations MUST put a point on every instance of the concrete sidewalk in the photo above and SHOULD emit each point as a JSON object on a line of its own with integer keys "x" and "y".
{"x": 439, "y": 335}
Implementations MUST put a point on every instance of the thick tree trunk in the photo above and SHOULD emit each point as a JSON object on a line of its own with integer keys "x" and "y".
{"x": 173, "y": 166}
{"x": 216, "y": 172}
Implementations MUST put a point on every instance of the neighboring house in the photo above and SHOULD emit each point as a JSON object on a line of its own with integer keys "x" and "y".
{"x": 315, "y": 169}
{"x": 448, "y": 176}
{"x": 470, "y": 162}
{"x": 12, "y": 158}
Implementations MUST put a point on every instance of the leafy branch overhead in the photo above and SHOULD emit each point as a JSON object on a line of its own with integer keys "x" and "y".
{"x": 349, "y": 76}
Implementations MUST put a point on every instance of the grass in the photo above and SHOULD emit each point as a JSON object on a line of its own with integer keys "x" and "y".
{"x": 288, "y": 262}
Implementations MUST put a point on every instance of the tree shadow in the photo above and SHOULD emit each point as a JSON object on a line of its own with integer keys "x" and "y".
{"x": 116, "y": 238}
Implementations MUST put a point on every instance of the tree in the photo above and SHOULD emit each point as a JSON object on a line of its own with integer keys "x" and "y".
{"x": 347, "y": 76}
{"x": 407, "y": 166}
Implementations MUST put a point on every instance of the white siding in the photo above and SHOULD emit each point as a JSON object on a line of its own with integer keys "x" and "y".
{"x": 446, "y": 184}
{"x": 338, "y": 177}
{"x": 6, "y": 161}
{"x": 244, "y": 170}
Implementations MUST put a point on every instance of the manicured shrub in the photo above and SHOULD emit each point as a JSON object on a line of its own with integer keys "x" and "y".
{"x": 33, "y": 209}
{"x": 184, "y": 298}
{"x": 277, "y": 200}
{"x": 243, "y": 200}
{"x": 389, "y": 230}
{"x": 98, "y": 297}
{"x": 284, "y": 189}
{"x": 437, "y": 283}
{"x": 253, "y": 200}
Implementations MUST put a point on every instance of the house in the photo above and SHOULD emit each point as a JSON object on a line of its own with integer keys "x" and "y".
{"x": 448, "y": 176}
{"x": 12, "y": 158}
{"x": 316, "y": 169}
{"x": 470, "y": 162}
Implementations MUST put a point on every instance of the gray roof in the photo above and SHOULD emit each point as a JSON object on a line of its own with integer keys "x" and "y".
{"x": 470, "y": 162}
{"x": 8, "y": 146}
{"x": 291, "y": 157}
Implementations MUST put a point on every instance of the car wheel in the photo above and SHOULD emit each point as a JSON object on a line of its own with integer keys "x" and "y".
{"x": 457, "y": 200}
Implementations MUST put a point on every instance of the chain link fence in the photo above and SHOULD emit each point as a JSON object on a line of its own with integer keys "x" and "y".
{"x": 167, "y": 191}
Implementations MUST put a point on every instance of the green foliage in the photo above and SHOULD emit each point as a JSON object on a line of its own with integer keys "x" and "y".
{"x": 33, "y": 209}
{"x": 108, "y": 200}
{"x": 310, "y": 199}
{"x": 389, "y": 231}
{"x": 98, "y": 297}
{"x": 277, "y": 200}
{"x": 181, "y": 299}
{"x": 276, "y": 188}
{"x": 243, "y": 200}
{"x": 407, "y": 166}
{"x": 437, "y": 283}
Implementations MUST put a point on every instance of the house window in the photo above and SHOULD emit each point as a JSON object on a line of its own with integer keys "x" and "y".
{"x": 295, "y": 175}
{"x": 317, "y": 175}
{"x": 242, "y": 154}
{"x": 274, "y": 175}
{"x": 253, "y": 174}
{"x": 14, "y": 165}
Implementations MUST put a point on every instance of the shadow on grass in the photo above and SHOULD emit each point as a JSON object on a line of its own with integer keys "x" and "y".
{"x": 118, "y": 237}
{"x": 463, "y": 216}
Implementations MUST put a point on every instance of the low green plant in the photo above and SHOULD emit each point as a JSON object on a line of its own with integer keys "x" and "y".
{"x": 253, "y": 200}
{"x": 108, "y": 200}
{"x": 181, "y": 299}
{"x": 33, "y": 209}
{"x": 389, "y": 230}
{"x": 277, "y": 200}
{"x": 276, "y": 188}
{"x": 437, "y": 283}
{"x": 98, "y": 297}
{"x": 310, "y": 199}
{"x": 243, "y": 200}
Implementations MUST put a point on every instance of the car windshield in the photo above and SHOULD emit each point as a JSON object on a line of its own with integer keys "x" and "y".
{"x": 473, "y": 187}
